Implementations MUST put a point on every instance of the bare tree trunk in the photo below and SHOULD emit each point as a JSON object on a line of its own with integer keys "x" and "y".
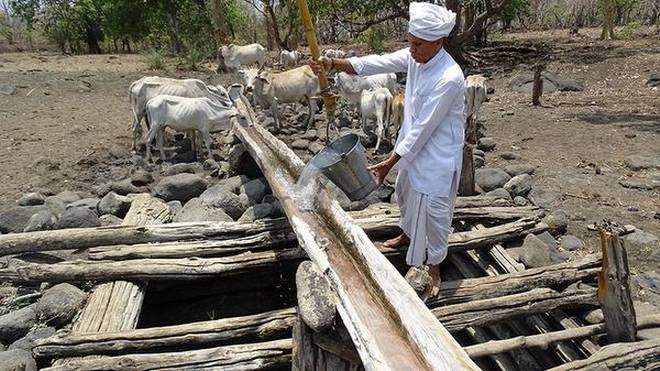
{"x": 608, "y": 20}
{"x": 220, "y": 27}
{"x": 270, "y": 13}
{"x": 537, "y": 89}
{"x": 173, "y": 24}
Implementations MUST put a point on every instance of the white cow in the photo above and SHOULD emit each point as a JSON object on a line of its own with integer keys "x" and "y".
{"x": 203, "y": 115}
{"x": 148, "y": 87}
{"x": 351, "y": 86}
{"x": 290, "y": 58}
{"x": 235, "y": 56}
{"x": 333, "y": 53}
{"x": 271, "y": 89}
{"x": 376, "y": 103}
{"x": 475, "y": 95}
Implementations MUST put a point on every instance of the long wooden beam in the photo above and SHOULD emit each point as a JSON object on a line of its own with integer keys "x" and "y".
{"x": 389, "y": 325}
{"x": 639, "y": 356}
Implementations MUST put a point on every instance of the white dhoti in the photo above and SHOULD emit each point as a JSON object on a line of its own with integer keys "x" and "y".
{"x": 426, "y": 220}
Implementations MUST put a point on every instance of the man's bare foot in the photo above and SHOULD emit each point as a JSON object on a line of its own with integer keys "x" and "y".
{"x": 397, "y": 242}
{"x": 434, "y": 272}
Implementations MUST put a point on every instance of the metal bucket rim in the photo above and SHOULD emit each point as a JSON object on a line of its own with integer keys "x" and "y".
{"x": 318, "y": 155}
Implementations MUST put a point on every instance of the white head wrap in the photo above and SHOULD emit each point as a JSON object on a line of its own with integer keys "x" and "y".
{"x": 430, "y": 22}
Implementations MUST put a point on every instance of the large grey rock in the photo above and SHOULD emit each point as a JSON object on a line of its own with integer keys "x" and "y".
{"x": 27, "y": 341}
{"x": 557, "y": 222}
{"x": 594, "y": 316}
{"x": 649, "y": 280}
{"x": 536, "y": 253}
{"x": 7, "y": 89}
{"x": 66, "y": 197}
{"x": 180, "y": 187}
{"x": 300, "y": 144}
{"x": 59, "y": 304}
{"x": 644, "y": 309}
{"x": 78, "y": 217}
{"x": 109, "y": 219}
{"x": 175, "y": 205}
{"x": 220, "y": 197}
{"x": 518, "y": 169}
{"x": 642, "y": 183}
{"x": 44, "y": 220}
{"x": 16, "y": 324}
{"x": 196, "y": 210}
{"x": 87, "y": 203}
{"x": 491, "y": 178}
{"x": 643, "y": 243}
{"x": 31, "y": 199}
{"x": 571, "y": 243}
{"x": 547, "y": 238}
{"x": 122, "y": 187}
{"x": 210, "y": 164}
{"x": 114, "y": 204}
{"x": 234, "y": 183}
{"x": 520, "y": 201}
{"x": 315, "y": 147}
{"x": 509, "y": 155}
{"x": 654, "y": 80}
{"x": 258, "y": 211}
{"x": 315, "y": 298}
{"x": 642, "y": 161}
{"x": 241, "y": 162}
{"x": 544, "y": 198}
{"x": 15, "y": 219}
{"x": 486, "y": 144}
{"x": 17, "y": 360}
{"x": 175, "y": 169}
{"x": 141, "y": 178}
{"x": 519, "y": 185}
{"x": 255, "y": 189}
{"x": 500, "y": 193}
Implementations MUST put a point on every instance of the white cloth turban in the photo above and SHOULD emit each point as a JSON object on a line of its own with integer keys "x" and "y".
{"x": 430, "y": 22}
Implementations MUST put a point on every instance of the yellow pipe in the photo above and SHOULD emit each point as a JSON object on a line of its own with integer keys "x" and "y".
{"x": 329, "y": 101}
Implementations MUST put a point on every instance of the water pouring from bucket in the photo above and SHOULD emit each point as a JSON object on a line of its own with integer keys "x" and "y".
{"x": 343, "y": 162}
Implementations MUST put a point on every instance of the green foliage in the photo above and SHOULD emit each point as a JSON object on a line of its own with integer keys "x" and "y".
{"x": 630, "y": 30}
{"x": 513, "y": 9}
{"x": 373, "y": 37}
{"x": 155, "y": 59}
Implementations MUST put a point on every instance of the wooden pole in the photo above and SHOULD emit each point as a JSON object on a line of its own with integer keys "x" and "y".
{"x": 614, "y": 291}
{"x": 537, "y": 89}
{"x": 329, "y": 100}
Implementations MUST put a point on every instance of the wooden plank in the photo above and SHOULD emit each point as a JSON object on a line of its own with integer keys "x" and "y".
{"x": 638, "y": 356}
{"x": 543, "y": 340}
{"x": 614, "y": 291}
{"x": 391, "y": 327}
{"x": 257, "y": 356}
{"x": 262, "y": 326}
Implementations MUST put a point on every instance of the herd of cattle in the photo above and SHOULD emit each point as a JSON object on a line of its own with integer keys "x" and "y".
{"x": 191, "y": 106}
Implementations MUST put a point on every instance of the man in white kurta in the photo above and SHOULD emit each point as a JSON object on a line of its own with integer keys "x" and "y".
{"x": 429, "y": 149}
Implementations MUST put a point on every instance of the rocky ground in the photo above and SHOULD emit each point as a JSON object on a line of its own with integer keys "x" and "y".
{"x": 590, "y": 152}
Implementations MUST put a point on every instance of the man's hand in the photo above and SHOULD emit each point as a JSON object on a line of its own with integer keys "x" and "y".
{"x": 321, "y": 65}
{"x": 381, "y": 169}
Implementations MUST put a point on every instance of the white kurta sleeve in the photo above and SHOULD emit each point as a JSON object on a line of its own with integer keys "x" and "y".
{"x": 386, "y": 63}
{"x": 433, "y": 111}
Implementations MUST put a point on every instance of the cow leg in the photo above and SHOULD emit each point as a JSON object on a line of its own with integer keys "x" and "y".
{"x": 379, "y": 130}
{"x": 160, "y": 145}
{"x": 273, "y": 110}
{"x": 311, "y": 103}
{"x": 207, "y": 141}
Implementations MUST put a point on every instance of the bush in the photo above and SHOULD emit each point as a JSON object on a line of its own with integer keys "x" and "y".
{"x": 630, "y": 30}
{"x": 373, "y": 37}
{"x": 155, "y": 59}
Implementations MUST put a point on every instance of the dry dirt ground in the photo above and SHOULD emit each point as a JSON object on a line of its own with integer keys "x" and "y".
{"x": 67, "y": 126}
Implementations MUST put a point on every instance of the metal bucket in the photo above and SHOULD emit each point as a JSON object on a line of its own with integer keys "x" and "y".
{"x": 345, "y": 164}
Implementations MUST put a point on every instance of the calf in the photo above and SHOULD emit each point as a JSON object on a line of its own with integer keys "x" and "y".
{"x": 396, "y": 114}
{"x": 148, "y": 87}
{"x": 290, "y": 58}
{"x": 350, "y": 86}
{"x": 235, "y": 56}
{"x": 333, "y": 53}
{"x": 376, "y": 103}
{"x": 292, "y": 86}
{"x": 186, "y": 114}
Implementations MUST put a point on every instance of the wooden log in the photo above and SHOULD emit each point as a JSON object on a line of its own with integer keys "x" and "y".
{"x": 543, "y": 340}
{"x": 552, "y": 276}
{"x": 466, "y": 184}
{"x": 614, "y": 291}
{"x": 390, "y": 326}
{"x": 202, "y": 248}
{"x": 256, "y": 356}
{"x": 537, "y": 88}
{"x": 304, "y": 352}
{"x": 639, "y": 356}
{"x": 456, "y": 317}
{"x": 116, "y": 306}
{"x": 82, "y": 238}
{"x": 336, "y": 346}
{"x": 147, "y": 269}
{"x": 316, "y": 301}
{"x": 262, "y": 326}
